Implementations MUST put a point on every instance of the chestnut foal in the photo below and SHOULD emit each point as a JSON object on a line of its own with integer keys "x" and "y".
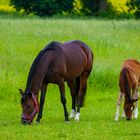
{"x": 129, "y": 82}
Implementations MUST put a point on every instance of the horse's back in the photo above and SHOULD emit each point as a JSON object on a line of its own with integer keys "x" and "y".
{"x": 70, "y": 59}
{"x": 132, "y": 65}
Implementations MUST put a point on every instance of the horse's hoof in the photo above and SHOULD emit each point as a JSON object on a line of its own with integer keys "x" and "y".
{"x": 116, "y": 120}
{"x": 73, "y": 113}
{"x": 67, "y": 120}
{"x": 37, "y": 121}
{"x": 77, "y": 117}
{"x": 135, "y": 117}
{"x": 76, "y": 120}
{"x": 122, "y": 117}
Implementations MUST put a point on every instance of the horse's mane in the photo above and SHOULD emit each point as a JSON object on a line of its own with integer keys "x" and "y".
{"x": 50, "y": 46}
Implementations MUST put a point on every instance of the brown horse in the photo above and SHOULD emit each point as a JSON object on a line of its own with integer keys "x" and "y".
{"x": 129, "y": 82}
{"x": 57, "y": 63}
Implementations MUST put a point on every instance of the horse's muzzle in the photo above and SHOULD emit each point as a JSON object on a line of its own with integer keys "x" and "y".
{"x": 128, "y": 119}
{"x": 23, "y": 121}
{"x": 26, "y": 119}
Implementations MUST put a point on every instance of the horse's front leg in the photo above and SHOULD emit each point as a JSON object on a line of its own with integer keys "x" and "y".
{"x": 135, "y": 93}
{"x": 119, "y": 100}
{"x": 42, "y": 99}
{"x": 63, "y": 99}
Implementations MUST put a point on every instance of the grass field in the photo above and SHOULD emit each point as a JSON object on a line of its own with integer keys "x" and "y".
{"x": 111, "y": 41}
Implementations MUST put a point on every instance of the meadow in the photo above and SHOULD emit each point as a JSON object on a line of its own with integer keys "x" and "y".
{"x": 112, "y": 41}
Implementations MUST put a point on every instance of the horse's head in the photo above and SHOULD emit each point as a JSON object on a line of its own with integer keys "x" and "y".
{"x": 128, "y": 108}
{"x": 29, "y": 107}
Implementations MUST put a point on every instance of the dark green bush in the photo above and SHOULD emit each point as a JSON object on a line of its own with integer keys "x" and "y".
{"x": 101, "y": 8}
{"x": 135, "y": 5}
{"x": 43, "y": 7}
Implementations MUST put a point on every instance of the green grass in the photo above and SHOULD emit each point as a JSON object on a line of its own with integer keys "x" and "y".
{"x": 111, "y": 41}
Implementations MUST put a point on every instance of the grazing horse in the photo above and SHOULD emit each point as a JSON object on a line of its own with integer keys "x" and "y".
{"x": 129, "y": 82}
{"x": 56, "y": 63}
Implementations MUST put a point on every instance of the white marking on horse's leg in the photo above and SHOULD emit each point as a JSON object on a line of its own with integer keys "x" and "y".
{"x": 119, "y": 100}
{"x": 136, "y": 95}
{"x": 77, "y": 117}
{"x": 117, "y": 113}
{"x": 123, "y": 114}
{"x": 72, "y": 115}
{"x": 136, "y": 113}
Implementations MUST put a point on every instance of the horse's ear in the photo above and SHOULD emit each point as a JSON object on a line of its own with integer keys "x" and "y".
{"x": 21, "y": 91}
{"x": 134, "y": 100}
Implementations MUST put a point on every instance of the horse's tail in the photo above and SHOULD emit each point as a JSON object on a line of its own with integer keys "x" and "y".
{"x": 124, "y": 85}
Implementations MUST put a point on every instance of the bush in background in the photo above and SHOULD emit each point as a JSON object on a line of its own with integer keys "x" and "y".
{"x": 106, "y": 8}
{"x": 4, "y": 2}
{"x": 43, "y": 7}
{"x": 86, "y": 7}
{"x": 134, "y": 5}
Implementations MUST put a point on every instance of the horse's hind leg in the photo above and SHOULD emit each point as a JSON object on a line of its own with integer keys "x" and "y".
{"x": 73, "y": 95}
{"x": 63, "y": 99}
{"x": 42, "y": 99}
{"x": 82, "y": 92}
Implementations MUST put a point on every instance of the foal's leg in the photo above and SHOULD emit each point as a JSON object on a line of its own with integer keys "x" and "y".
{"x": 73, "y": 95}
{"x": 82, "y": 92}
{"x": 42, "y": 99}
{"x": 63, "y": 99}
{"x": 136, "y": 96}
{"x": 119, "y": 100}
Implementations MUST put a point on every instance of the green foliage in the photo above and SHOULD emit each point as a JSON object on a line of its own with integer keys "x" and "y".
{"x": 124, "y": 8}
{"x": 134, "y": 5}
{"x": 43, "y": 7}
{"x": 85, "y": 7}
{"x": 118, "y": 6}
{"x": 112, "y": 8}
{"x": 4, "y": 2}
{"x": 78, "y": 7}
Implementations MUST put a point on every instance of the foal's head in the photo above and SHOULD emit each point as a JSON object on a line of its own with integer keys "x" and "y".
{"x": 29, "y": 107}
{"x": 128, "y": 108}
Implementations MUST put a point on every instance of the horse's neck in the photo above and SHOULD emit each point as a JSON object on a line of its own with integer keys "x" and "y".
{"x": 127, "y": 98}
{"x": 39, "y": 76}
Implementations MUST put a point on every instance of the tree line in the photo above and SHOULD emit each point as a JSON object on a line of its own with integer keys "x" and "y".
{"x": 109, "y": 8}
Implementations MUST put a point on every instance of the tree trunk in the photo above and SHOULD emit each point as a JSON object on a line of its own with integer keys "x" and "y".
{"x": 102, "y": 5}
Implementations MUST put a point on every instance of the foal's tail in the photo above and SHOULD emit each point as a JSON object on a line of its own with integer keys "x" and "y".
{"x": 124, "y": 85}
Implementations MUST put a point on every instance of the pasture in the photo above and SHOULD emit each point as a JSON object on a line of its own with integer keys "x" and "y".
{"x": 112, "y": 42}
